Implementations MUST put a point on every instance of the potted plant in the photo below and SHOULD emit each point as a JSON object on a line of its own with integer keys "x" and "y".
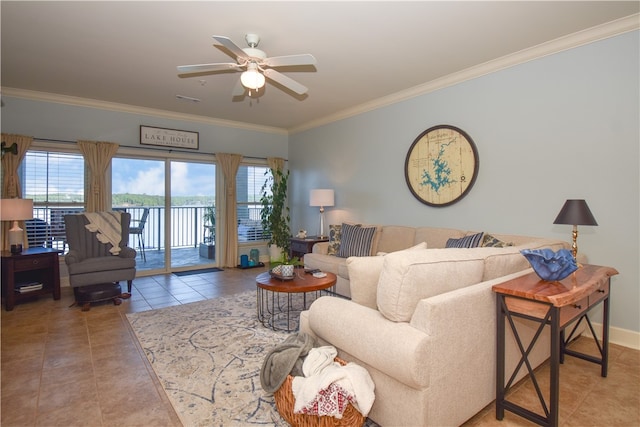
{"x": 207, "y": 247}
{"x": 275, "y": 215}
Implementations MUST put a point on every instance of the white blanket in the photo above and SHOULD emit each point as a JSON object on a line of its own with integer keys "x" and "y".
{"x": 108, "y": 228}
{"x": 326, "y": 388}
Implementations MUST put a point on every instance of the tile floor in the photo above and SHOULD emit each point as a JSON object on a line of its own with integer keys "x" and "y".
{"x": 62, "y": 366}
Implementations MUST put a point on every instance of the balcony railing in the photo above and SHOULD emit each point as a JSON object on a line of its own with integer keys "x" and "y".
{"x": 187, "y": 225}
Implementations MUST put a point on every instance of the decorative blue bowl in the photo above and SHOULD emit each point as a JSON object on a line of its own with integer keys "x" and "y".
{"x": 550, "y": 265}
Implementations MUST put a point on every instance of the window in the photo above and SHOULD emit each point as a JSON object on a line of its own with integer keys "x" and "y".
{"x": 249, "y": 182}
{"x": 55, "y": 182}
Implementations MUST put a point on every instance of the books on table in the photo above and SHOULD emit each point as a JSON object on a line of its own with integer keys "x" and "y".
{"x": 24, "y": 287}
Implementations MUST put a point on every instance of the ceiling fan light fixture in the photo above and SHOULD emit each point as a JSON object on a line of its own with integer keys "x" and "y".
{"x": 252, "y": 78}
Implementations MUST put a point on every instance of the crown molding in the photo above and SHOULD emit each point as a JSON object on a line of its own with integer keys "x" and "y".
{"x": 132, "y": 109}
{"x": 600, "y": 32}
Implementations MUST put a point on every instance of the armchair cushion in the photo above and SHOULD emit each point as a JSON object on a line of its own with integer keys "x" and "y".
{"x": 90, "y": 265}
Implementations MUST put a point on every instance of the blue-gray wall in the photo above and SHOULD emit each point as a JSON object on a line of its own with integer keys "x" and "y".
{"x": 560, "y": 127}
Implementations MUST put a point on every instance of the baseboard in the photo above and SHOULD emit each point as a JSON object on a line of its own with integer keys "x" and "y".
{"x": 619, "y": 336}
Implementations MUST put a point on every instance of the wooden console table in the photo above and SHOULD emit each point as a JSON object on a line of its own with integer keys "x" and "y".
{"x": 33, "y": 265}
{"x": 556, "y": 304}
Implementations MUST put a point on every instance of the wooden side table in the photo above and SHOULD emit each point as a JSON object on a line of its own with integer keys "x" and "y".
{"x": 556, "y": 304}
{"x": 33, "y": 265}
{"x": 300, "y": 247}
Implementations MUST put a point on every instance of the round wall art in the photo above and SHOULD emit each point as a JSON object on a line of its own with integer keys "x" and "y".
{"x": 441, "y": 165}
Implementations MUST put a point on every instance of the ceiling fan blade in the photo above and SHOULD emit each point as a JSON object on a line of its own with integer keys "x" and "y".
{"x": 200, "y": 68}
{"x": 281, "y": 61}
{"x": 285, "y": 81}
{"x": 226, "y": 42}
{"x": 238, "y": 89}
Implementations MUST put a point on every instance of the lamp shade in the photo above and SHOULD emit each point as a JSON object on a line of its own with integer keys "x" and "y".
{"x": 321, "y": 197}
{"x": 575, "y": 212}
{"x": 16, "y": 209}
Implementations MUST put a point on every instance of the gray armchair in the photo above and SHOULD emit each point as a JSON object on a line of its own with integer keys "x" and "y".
{"x": 90, "y": 261}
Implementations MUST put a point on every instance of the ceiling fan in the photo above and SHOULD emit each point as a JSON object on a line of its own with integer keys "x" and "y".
{"x": 255, "y": 66}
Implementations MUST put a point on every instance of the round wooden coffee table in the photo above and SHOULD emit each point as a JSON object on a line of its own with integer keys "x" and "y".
{"x": 279, "y": 300}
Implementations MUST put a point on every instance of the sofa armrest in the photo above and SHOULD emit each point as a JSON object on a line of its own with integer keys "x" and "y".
{"x": 73, "y": 257}
{"x": 394, "y": 348}
{"x": 321, "y": 248}
{"x": 462, "y": 328}
{"x": 127, "y": 252}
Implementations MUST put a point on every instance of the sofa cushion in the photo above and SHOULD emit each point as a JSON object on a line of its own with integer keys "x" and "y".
{"x": 364, "y": 273}
{"x": 409, "y": 276}
{"x": 335, "y": 233}
{"x": 356, "y": 240}
{"x": 470, "y": 241}
{"x": 436, "y": 237}
{"x": 329, "y": 264}
{"x": 395, "y": 238}
{"x": 503, "y": 262}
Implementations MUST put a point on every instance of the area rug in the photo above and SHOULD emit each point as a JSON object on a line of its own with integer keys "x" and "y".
{"x": 202, "y": 270}
{"x": 208, "y": 356}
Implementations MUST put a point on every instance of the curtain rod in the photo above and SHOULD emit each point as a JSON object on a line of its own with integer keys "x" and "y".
{"x": 170, "y": 150}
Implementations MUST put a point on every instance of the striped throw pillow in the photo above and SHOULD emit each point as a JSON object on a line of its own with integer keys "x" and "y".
{"x": 472, "y": 241}
{"x": 356, "y": 240}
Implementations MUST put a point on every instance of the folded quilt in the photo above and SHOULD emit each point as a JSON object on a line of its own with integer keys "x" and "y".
{"x": 330, "y": 386}
{"x": 108, "y": 228}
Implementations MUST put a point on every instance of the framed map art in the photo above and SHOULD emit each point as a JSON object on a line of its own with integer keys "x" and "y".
{"x": 441, "y": 165}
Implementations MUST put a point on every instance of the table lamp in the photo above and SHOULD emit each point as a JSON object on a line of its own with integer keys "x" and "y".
{"x": 322, "y": 198}
{"x": 575, "y": 212}
{"x": 16, "y": 210}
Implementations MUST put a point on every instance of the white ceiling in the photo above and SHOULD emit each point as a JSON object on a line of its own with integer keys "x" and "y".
{"x": 127, "y": 52}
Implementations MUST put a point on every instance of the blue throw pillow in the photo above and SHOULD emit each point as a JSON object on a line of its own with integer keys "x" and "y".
{"x": 472, "y": 241}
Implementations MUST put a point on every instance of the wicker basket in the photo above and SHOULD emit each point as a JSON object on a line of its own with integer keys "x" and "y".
{"x": 285, "y": 401}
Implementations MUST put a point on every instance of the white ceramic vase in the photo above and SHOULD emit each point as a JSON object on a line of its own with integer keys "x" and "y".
{"x": 287, "y": 270}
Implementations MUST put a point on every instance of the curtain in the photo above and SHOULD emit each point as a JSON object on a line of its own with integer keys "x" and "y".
{"x": 11, "y": 181}
{"x": 275, "y": 163}
{"x": 230, "y": 164}
{"x": 97, "y": 155}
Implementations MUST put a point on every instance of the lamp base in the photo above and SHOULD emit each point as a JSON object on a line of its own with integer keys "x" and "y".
{"x": 15, "y": 238}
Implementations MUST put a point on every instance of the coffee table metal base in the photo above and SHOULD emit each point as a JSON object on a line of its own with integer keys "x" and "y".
{"x": 279, "y": 303}
{"x": 281, "y": 311}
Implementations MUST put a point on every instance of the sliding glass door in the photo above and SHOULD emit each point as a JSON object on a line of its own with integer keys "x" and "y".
{"x": 172, "y": 205}
{"x": 193, "y": 215}
{"x": 138, "y": 187}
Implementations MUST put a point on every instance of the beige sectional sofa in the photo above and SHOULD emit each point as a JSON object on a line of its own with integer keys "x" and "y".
{"x": 392, "y": 238}
{"x": 422, "y": 321}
